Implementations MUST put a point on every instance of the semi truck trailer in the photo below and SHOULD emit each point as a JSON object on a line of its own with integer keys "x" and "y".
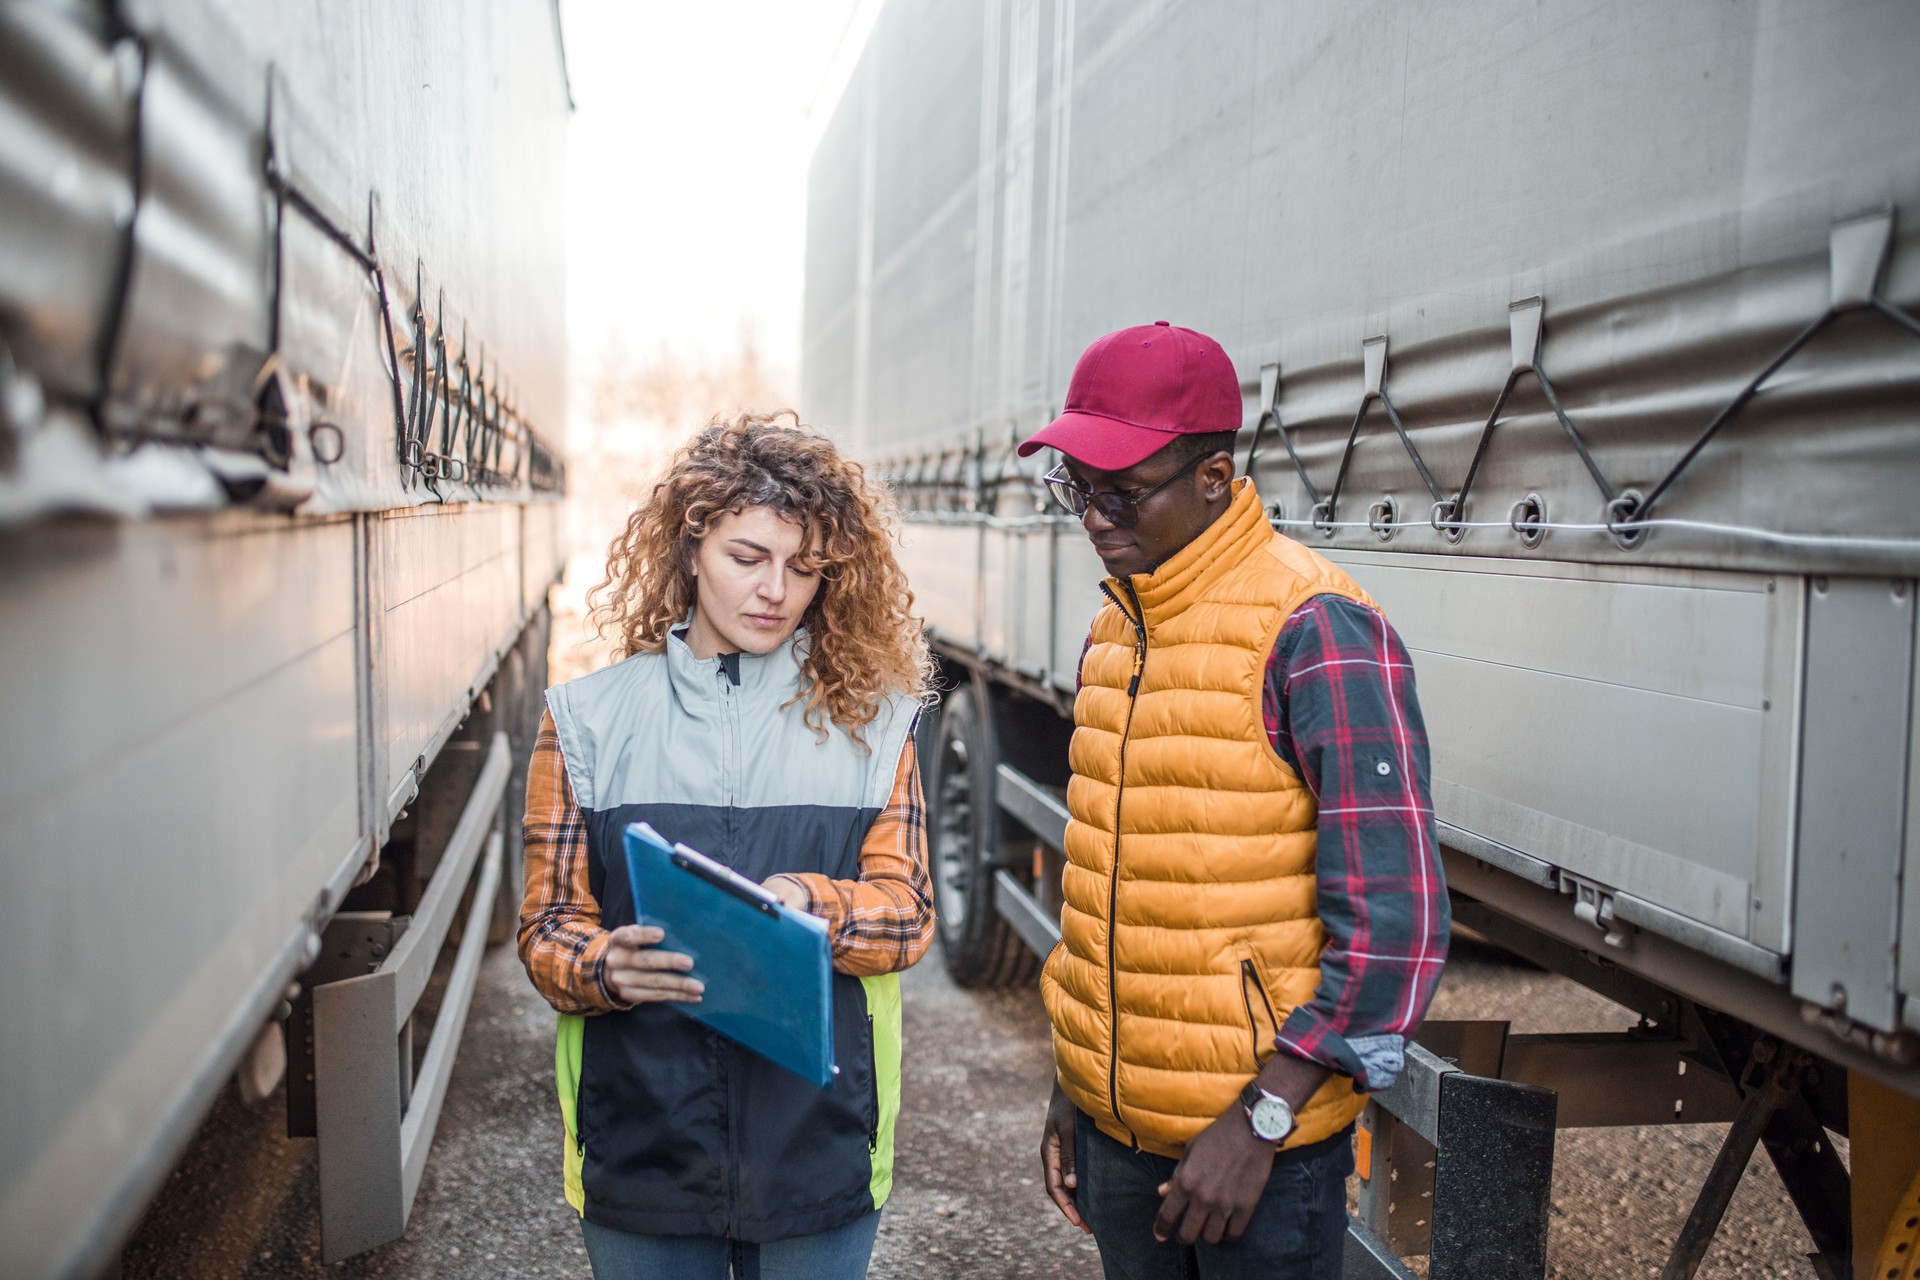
{"x": 281, "y": 368}
{"x": 1587, "y": 340}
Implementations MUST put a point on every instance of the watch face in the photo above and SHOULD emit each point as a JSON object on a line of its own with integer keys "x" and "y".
{"x": 1272, "y": 1118}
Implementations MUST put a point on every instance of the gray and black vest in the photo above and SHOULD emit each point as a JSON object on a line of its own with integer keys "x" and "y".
{"x": 671, "y": 1128}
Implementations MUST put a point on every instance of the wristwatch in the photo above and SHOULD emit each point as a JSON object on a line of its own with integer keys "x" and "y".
{"x": 1269, "y": 1114}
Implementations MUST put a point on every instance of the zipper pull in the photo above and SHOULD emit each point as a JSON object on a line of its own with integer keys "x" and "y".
{"x": 1138, "y": 617}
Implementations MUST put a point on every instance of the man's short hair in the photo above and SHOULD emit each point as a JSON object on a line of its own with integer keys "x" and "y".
{"x": 1201, "y": 444}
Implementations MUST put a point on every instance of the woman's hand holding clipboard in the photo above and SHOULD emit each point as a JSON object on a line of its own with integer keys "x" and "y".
{"x": 762, "y": 969}
{"x": 639, "y": 971}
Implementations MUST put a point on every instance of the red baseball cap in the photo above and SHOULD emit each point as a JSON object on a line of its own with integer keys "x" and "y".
{"x": 1136, "y": 390}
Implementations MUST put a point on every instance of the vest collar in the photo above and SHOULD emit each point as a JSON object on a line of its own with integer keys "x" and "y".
{"x": 1223, "y": 546}
{"x": 701, "y": 679}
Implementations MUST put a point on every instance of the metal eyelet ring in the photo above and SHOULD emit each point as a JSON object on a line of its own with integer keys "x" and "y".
{"x": 411, "y": 454}
{"x": 1276, "y": 513}
{"x": 1321, "y": 517}
{"x": 1621, "y": 511}
{"x": 453, "y": 469}
{"x": 430, "y": 466}
{"x": 1528, "y": 519}
{"x": 335, "y": 446}
{"x": 1445, "y": 519}
{"x": 1383, "y": 519}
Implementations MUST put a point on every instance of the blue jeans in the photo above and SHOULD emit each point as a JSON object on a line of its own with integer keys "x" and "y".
{"x": 839, "y": 1254}
{"x": 1297, "y": 1233}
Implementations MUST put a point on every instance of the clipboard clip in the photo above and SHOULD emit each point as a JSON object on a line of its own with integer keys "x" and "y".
{"x": 723, "y": 878}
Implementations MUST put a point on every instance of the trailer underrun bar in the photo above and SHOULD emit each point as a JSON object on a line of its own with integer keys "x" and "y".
{"x": 373, "y": 1115}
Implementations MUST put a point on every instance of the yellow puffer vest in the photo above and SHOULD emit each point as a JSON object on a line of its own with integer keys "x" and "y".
{"x": 1196, "y": 921}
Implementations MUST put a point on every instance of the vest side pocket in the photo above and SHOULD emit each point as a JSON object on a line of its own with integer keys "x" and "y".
{"x": 1259, "y": 1008}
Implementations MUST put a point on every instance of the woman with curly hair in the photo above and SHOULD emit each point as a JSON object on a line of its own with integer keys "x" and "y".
{"x": 763, "y": 713}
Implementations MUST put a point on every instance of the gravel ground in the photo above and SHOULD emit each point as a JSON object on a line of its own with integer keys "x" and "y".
{"x": 967, "y": 1200}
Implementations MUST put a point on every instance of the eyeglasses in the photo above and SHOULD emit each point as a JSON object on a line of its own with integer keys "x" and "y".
{"x": 1116, "y": 507}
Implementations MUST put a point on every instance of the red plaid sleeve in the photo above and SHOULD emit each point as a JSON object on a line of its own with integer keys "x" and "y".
{"x": 1340, "y": 708}
{"x": 561, "y": 941}
{"x": 883, "y": 921}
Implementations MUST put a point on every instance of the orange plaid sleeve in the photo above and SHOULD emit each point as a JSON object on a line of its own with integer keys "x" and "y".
{"x": 882, "y": 922}
{"x": 561, "y": 941}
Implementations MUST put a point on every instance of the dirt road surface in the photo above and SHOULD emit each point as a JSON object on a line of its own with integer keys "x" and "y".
{"x": 967, "y": 1200}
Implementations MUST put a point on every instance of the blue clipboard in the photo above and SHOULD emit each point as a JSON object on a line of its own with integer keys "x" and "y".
{"x": 767, "y": 969}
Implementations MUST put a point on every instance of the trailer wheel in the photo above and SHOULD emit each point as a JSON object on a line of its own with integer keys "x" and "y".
{"x": 980, "y": 948}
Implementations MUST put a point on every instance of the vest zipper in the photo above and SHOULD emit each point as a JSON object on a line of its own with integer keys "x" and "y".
{"x": 727, "y": 1178}
{"x": 729, "y": 748}
{"x": 873, "y": 1123}
{"x": 729, "y": 742}
{"x": 1137, "y": 617}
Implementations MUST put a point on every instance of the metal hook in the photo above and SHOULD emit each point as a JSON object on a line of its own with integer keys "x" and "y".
{"x": 1528, "y": 519}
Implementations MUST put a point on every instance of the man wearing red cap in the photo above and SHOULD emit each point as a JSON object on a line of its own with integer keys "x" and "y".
{"x": 1254, "y": 914}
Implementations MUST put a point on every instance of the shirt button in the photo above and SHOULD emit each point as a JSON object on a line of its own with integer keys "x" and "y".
{"x": 1382, "y": 768}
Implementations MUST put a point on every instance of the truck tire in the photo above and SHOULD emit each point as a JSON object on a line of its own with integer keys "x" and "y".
{"x": 980, "y": 948}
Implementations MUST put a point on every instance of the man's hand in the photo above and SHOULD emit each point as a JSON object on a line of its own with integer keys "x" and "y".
{"x": 1217, "y": 1184}
{"x": 1056, "y": 1156}
{"x": 638, "y": 972}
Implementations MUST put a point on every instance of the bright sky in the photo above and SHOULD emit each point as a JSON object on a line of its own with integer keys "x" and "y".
{"x": 688, "y": 158}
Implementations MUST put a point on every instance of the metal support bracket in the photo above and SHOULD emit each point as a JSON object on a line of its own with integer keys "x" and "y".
{"x": 1373, "y": 361}
{"x": 1491, "y": 1148}
{"x": 353, "y": 944}
{"x": 1270, "y": 412}
{"x": 1269, "y": 387}
{"x": 1856, "y": 253}
{"x": 1373, "y": 365}
{"x": 1780, "y": 1067}
{"x": 375, "y": 1119}
{"x": 1523, "y": 331}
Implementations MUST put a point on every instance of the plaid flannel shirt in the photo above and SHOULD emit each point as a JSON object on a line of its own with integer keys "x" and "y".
{"x": 879, "y": 923}
{"x": 1339, "y": 707}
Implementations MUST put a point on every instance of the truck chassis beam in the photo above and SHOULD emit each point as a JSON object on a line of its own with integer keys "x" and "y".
{"x": 1649, "y": 959}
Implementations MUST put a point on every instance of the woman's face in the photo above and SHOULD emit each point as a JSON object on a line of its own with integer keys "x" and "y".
{"x": 750, "y": 586}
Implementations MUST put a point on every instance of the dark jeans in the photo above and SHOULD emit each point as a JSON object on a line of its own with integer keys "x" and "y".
{"x": 1297, "y": 1231}
{"x": 839, "y": 1254}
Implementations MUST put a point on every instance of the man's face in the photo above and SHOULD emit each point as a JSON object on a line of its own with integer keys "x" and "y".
{"x": 1168, "y": 520}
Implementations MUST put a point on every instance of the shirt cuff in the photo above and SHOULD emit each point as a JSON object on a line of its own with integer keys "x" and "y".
{"x": 822, "y": 899}
{"x": 1373, "y": 1062}
{"x": 593, "y": 961}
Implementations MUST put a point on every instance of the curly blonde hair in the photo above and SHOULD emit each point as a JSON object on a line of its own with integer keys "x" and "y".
{"x": 865, "y": 643}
